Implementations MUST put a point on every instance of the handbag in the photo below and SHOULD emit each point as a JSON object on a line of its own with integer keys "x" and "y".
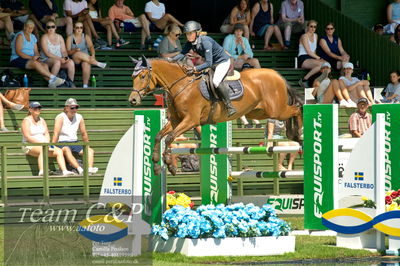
{"x": 19, "y": 96}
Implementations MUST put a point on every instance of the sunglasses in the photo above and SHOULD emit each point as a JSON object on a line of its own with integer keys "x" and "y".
{"x": 177, "y": 35}
{"x": 329, "y": 28}
{"x": 313, "y": 26}
{"x": 37, "y": 108}
{"x": 51, "y": 27}
{"x": 74, "y": 107}
{"x": 78, "y": 28}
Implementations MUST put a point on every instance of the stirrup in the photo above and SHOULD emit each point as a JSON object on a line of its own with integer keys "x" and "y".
{"x": 231, "y": 110}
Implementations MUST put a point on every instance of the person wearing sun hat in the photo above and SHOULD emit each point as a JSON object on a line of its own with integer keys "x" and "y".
{"x": 66, "y": 127}
{"x": 360, "y": 120}
{"x": 34, "y": 130}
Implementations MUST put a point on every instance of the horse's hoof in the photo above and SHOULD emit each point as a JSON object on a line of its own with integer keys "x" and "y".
{"x": 157, "y": 169}
{"x": 172, "y": 169}
{"x": 156, "y": 157}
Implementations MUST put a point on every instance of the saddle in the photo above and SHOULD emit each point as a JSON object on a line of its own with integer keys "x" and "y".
{"x": 232, "y": 79}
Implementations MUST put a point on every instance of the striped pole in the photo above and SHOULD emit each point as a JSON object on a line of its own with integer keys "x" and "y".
{"x": 237, "y": 150}
{"x": 263, "y": 174}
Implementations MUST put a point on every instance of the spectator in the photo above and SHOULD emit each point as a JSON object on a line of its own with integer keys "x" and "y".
{"x": 274, "y": 130}
{"x": 19, "y": 14}
{"x": 78, "y": 10}
{"x": 239, "y": 48}
{"x": 307, "y": 58}
{"x": 107, "y": 23}
{"x": 6, "y": 24}
{"x": 326, "y": 88}
{"x": 34, "y": 130}
{"x": 239, "y": 14}
{"x": 246, "y": 123}
{"x": 9, "y": 104}
{"x": 122, "y": 13}
{"x": 78, "y": 47}
{"x": 262, "y": 23}
{"x": 378, "y": 28}
{"x": 188, "y": 162}
{"x": 54, "y": 53}
{"x": 393, "y": 16}
{"x": 46, "y": 10}
{"x": 66, "y": 128}
{"x": 360, "y": 120}
{"x": 170, "y": 45}
{"x": 392, "y": 91}
{"x": 25, "y": 54}
{"x": 353, "y": 87}
{"x": 291, "y": 18}
{"x": 331, "y": 48}
{"x": 155, "y": 12}
{"x": 396, "y": 35}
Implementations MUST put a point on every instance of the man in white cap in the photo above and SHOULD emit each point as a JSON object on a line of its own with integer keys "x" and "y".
{"x": 361, "y": 120}
{"x": 66, "y": 127}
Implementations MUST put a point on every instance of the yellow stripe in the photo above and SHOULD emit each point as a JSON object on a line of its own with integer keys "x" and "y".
{"x": 388, "y": 229}
{"x": 347, "y": 212}
{"x": 103, "y": 219}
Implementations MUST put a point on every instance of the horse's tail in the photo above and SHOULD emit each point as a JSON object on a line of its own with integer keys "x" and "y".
{"x": 292, "y": 124}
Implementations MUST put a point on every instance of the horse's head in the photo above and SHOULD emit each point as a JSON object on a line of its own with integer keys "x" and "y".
{"x": 143, "y": 82}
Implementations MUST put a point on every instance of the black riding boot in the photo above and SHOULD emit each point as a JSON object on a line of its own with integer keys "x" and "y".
{"x": 223, "y": 93}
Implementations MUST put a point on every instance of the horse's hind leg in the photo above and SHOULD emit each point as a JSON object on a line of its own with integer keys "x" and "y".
{"x": 181, "y": 128}
{"x": 156, "y": 150}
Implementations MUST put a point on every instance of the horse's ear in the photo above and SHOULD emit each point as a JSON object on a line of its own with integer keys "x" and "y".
{"x": 134, "y": 61}
{"x": 144, "y": 61}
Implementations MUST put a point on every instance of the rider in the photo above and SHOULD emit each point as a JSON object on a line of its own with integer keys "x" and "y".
{"x": 214, "y": 55}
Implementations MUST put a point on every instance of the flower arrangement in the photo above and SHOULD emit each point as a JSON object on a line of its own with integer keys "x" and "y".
{"x": 209, "y": 221}
{"x": 181, "y": 199}
{"x": 392, "y": 200}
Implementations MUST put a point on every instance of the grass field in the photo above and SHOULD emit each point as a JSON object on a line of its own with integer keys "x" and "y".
{"x": 37, "y": 247}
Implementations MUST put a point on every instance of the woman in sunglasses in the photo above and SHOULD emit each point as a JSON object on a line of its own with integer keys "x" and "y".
{"x": 170, "y": 46}
{"x": 308, "y": 58}
{"x": 65, "y": 130}
{"x": 54, "y": 52}
{"x": 78, "y": 46}
{"x": 331, "y": 48}
{"x": 34, "y": 130}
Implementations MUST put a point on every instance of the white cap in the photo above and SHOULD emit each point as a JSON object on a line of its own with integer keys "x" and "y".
{"x": 348, "y": 65}
{"x": 326, "y": 64}
{"x": 71, "y": 101}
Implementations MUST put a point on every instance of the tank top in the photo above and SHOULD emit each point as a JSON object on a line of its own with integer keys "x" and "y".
{"x": 333, "y": 47}
{"x": 54, "y": 49}
{"x": 239, "y": 16}
{"x": 28, "y": 47}
{"x": 262, "y": 18}
{"x": 69, "y": 128}
{"x": 82, "y": 45}
{"x": 37, "y": 131}
{"x": 313, "y": 46}
{"x": 396, "y": 11}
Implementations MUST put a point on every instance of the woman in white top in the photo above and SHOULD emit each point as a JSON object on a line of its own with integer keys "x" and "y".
{"x": 155, "y": 12}
{"x": 34, "y": 130}
{"x": 65, "y": 130}
{"x": 308, "y": 58}
{"x": 354, "y": 88}
{"x": 54, "y": 53}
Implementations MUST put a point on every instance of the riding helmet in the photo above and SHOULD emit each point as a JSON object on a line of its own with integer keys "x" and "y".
{"x": 191, "y": 26}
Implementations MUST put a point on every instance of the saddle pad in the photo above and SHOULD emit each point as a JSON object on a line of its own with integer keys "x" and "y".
{"x": 235, "y": 89}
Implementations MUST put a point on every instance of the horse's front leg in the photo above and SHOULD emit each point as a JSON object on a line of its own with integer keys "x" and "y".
{"x": 156, "y": 150}
{"x": 181, "y": 128}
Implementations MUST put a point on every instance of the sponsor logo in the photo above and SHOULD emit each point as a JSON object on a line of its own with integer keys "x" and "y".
{"x": 147, "y": 168}
{"x": 282, "y": 204}
{"x": 213, "y": 165}
{"x": 317, "y": 166}
{"x": 388, "y": 148}
{"x": 94, "y": 228}
{"x": 117, "y": 191}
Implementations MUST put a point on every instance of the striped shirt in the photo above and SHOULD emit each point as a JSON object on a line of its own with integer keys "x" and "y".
{"x": 360, "y": 122}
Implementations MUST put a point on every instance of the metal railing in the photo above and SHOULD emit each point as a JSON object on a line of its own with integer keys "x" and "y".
{"x": 46, "y": 179}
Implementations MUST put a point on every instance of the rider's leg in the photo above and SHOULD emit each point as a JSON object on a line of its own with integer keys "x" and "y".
{"x": 222, "y": 88}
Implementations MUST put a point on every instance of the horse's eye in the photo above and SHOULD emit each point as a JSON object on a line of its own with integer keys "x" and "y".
{"x": 142, "y": 76}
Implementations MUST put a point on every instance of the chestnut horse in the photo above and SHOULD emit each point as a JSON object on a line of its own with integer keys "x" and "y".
{"x": 266, "y": 95}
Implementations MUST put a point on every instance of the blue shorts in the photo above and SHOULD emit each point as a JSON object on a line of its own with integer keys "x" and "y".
{"x": 19, "y": 62}
{"x": 262, "y": 30}
{"x": 73, "y": 148}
